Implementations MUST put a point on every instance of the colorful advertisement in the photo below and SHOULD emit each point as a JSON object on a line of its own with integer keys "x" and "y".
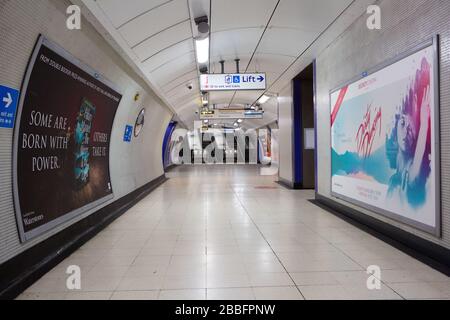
{"x": 385, "y": 148}
{"x": 61, "y": 143}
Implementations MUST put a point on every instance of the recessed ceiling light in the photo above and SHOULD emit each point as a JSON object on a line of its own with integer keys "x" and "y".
{"x": 202, "y": 47}
{"x": 264, "y": 99}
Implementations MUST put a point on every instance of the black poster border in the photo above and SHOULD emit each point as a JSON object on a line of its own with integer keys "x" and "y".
{"x": 43, "y": 41}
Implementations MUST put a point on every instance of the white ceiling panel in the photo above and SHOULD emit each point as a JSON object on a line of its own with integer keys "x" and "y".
{"x": 185, "y": 92}
{"x": 220, "y": 97}
{"x": 263, "y": 62}
{"x": 188, "y": 107}
{"x": 174, "y": 69}
{"x": 168, "y": 55}
{"x": 164, "y": 40}
{"x": 239, "y": 14}
{"x": 181, "y": 99}
{"x": 230, "y": 64}
{"x": 155, "y": 21}
{"x": 189, "y": 77}
{"x": 271, "y": 77}
{"x": 247, "y": 96}
{"x": 235, "y": 43}
{"x": 308, "y": 15}
{"x": 121, "y": 11}
{"x": 285, "y": 41}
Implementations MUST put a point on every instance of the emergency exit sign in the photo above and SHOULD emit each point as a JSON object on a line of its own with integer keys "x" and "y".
{"x": 233, "y": 82}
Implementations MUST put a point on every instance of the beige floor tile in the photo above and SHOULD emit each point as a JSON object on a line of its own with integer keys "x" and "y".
{"x": 347, "y": 292}
{"x": 402, "y": 276}
{"x": 42, "y": 296}
{"x": 228, "y": 281}
{"x": 147, "y": 283}
{"x": 135, "y": 295}
{"x": 277, "y": 293}
{"x": 88, "y": 295}
{"x": 193, "y": 294}
{"x": 422, "y": 290}
{"x": 270, "y": 280}
{"x": 208, "y": 232}
{"x": 314, "y": 278}
{"x": 230, "y": 294}
{"x": 96, "y": 283}
{"x": 184, "y": 282}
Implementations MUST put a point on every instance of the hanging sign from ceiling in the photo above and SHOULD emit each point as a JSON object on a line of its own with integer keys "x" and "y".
{"x": 231, "y": 114}
{"x": 233, "y": 82}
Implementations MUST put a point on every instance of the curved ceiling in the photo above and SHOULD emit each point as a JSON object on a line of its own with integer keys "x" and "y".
{"x": 266, "y": 35}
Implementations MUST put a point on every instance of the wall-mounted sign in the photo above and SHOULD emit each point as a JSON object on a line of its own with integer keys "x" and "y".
{"x": 139, "y": 125}
{"x": 233, "y": 82}
{"x": 309, "y": 139}
{"x": 385, "y": 140}
{"x": 62, "y": 140}
{"x": 128, "y": 133}
{"x": 218, "y": 114}
{"x": 9, "y": 99}
{"x": 251, "y": 114}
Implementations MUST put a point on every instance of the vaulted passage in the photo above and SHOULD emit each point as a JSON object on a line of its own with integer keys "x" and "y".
{"x": 224, "y": 150}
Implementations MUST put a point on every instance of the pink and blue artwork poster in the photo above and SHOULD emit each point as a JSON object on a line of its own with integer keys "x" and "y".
{"x": 384, "y": 145}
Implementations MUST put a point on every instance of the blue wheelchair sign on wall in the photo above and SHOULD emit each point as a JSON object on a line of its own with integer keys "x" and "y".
{"x": 128, "y": 133}
{"x": 9, "y": 99}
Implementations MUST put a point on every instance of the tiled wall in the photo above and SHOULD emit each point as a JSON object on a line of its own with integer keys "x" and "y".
{"x": 405, "y": 24}
{"x": 132, "y": 165}
{"x": 285, "y": 105}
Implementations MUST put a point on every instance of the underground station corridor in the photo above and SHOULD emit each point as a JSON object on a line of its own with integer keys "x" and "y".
{"x": 213, "y": 152}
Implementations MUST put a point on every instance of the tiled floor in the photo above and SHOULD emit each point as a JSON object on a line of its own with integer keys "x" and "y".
{"x": 224, "y": 232}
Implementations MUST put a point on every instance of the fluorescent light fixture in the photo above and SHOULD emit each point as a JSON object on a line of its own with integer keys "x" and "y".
{"x": 202, "y": 47}
{"x": 264, "y": 99}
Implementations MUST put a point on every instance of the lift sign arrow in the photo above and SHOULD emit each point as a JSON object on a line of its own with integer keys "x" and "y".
{"x": 8, "y": 100}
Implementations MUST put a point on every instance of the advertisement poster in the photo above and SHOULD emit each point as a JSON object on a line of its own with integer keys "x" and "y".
{"x": 385, "y": 154}
{"x": 62, "y": 138}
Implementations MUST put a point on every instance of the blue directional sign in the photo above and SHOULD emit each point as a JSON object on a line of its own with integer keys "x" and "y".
{"x": 233, "y": 82}
{"x": 9, "y": 99}
{"x": 128, "y": 133}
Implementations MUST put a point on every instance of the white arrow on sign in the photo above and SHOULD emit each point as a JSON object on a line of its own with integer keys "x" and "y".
{"x": 8, "y": 100}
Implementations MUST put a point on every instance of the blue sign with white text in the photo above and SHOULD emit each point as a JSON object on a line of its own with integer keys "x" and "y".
{"x": 128, "y": 133}
{"x": 9, "y": 99}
